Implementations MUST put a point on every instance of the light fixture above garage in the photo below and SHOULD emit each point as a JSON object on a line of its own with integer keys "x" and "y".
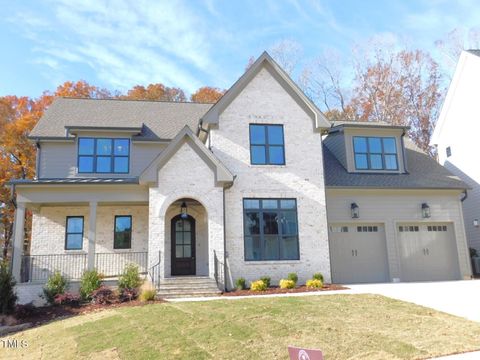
{"x": 183, "y": 210}
{"x": 355, "y": 210}
{"x": 475, "y": 222}
{"x": 425, "y": 211}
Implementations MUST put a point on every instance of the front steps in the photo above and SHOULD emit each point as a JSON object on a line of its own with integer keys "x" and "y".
{"x": 187, "y": 286}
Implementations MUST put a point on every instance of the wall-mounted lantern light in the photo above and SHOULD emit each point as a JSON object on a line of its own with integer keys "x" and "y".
{"x": 183, "y": 210}
{"x": 475, "y": 222}
{"x": 355, "y": 210}
{"x": 425, "y": 211}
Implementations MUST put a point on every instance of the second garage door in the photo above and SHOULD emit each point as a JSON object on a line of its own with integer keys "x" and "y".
{"x": 358, "y": 253}
{"x": 428, "y": 252}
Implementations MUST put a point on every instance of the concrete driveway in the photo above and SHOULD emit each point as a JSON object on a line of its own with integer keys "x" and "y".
{"x": 460, "y": 298}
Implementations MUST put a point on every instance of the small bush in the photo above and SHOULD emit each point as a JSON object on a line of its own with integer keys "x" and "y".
{"x": 127, "y": 294}
{"x": 8, "y": 298}
{"x": 287, "y": 284}
{"x": 104, "y": 296}
{"x": 318, "y": 276}
{"x": 67, "y": 299}
{"x": 25, "y": 311}
{"x": 240, "y": 284}
{"x": 293, "y": 277}
{"x": 267, "y": 280}
{"x": 91, "y": 281}
{"x": 314, "y": 284}
{"x": 258, "y": 285}
{"x": 56, "y": 285}
{"x": 130, "y": 279}
{"x": 148, "y": 295}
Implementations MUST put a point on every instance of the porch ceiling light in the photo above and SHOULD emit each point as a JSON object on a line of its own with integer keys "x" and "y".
{"x": 425, "y": 211}
{"x": 183, "y": 210}
{"x": 355, "y": 210}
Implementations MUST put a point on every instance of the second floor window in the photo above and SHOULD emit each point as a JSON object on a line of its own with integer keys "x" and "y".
{"x": 99, "y": 155}
{"x": 375, "y": 153}
{"x": 267, "y": 145}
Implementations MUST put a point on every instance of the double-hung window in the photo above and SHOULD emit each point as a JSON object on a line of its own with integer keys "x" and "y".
{"x": 102, "y": 155}
{"x": 74, "y": 233}
{"x": 270, "y": 229}
{"x": 122, "y": 238}
{"x": 375, "y": 153}
{"x": 267, "y": 145}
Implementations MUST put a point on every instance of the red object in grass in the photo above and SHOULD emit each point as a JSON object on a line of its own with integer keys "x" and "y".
{"x": 304, "y": 354}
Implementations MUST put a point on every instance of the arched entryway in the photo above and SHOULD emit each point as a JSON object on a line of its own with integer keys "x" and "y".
{"x": 186, "y": 239}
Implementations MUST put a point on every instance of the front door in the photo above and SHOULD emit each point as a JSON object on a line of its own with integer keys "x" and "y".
{"x": 183, "y": 245}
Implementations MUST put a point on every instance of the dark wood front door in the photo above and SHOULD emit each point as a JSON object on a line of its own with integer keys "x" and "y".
{"x": 183, "y": 245}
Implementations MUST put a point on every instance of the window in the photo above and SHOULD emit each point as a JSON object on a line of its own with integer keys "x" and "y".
{"x": 338, "y": 229}
{"x": 74, "y": 233}
{"x": 409, "y": 228}
{"x": 267, "y": 145}
{"x": 437, "y": 228}
{"x": 448, "y": 151}
{"x": 122, "y": 238}
{"x": 97, "y": 155}
{"x": 270, "y": 229}
{"x": 367, "y": 228}
{"x": 375, "y": 153}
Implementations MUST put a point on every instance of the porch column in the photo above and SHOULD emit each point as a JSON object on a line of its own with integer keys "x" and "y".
{"x": 18, "y": 240}
{"x": 92, "y": 231}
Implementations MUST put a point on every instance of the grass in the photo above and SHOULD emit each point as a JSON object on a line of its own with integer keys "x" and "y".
{"x": 343, "y": 326}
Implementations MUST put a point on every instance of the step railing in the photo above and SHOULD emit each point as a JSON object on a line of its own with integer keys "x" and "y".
{"x": 219, "y": 268}
{"x": 154, "y": 272}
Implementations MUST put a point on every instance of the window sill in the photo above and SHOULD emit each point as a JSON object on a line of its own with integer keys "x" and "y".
{"x": 271, "y": 262}
{"x": 267, "y": 166}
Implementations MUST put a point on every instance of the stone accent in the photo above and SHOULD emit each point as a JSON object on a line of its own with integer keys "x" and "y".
{"x": 264, "y": 100}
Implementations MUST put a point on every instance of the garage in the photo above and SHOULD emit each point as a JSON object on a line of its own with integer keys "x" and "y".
{"x": 428, "y": 252}
{"x": 358, "y": 253}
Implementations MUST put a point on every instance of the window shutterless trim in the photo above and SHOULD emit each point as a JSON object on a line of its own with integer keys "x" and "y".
{"x": 94, "y": 156}
{"x": 280, "y": 236}
{"x": 368, "y": 153}
{"x": 115, "y": 231}
{"x": 266, "y": 144}
{"x": 73, "y": 233}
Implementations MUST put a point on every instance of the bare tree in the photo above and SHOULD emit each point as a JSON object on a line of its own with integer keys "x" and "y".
{"x": 287, "y": 53}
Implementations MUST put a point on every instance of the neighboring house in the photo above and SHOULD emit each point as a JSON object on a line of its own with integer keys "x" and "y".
{"x": 235, "y": 189}
{"x": 456, "y": 137}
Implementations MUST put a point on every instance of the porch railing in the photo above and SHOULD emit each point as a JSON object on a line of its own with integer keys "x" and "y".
{"x": 38, "y": 268}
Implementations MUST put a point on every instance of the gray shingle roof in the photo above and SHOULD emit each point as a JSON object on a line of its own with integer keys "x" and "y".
{"x": 423, "y": 173}
{"x": 75, "y": 181}
{"x": 474, "y": 51}
{"x": 158, "y": 119}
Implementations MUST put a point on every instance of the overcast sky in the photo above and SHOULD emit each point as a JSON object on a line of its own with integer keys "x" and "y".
{"x": 191, "y": 43}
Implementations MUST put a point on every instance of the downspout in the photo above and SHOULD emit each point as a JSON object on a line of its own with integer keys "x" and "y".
{"x": 465, "y": 195}
{"x": 37, "y": 161}
{"x": 225, "y": 236}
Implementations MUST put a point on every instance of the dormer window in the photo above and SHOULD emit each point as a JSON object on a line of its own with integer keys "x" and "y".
{"x": 375, "y": 153}
{"x": 102, "y": 155}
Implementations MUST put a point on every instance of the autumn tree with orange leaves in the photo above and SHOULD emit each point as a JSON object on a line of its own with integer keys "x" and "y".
{"x": 207, "y": 94}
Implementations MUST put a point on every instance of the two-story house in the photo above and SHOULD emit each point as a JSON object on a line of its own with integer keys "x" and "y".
{"x": 257, "y": 184}
{"x": 456, "y": 137}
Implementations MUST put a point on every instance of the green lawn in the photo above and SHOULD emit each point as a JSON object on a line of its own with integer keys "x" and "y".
{"x": 343, "y": 326}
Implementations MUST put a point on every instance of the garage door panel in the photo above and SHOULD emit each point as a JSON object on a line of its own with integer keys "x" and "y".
{"x": 427, "y": 253}
{"x": 358, "y": 253}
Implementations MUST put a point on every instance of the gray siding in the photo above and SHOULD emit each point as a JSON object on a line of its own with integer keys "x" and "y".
{"x": 59, "y": 159}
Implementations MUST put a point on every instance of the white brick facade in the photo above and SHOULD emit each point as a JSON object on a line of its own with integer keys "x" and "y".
{"x": 301, "y": 178}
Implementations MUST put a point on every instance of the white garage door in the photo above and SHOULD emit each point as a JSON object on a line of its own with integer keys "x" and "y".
{"x": 428, "y": 252}
{"x": 358, "y": 253}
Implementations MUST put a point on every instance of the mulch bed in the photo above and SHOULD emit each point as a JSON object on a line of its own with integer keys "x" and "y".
{"x": 45, "y": 314}
{"x": 277, "y": 290}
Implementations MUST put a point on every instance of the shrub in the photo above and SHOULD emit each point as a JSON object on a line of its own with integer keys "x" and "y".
{"x": 130, "y": 279}
{"x": 258, "y": 285}
{"x": 293, "y": 277}
{"x": 128, "y": 294}
{"x": 104, "y": 296}
{"x": 8, "y": 298}
{"x": 25, "y": 311}
{"x": 91, "y": 281}
{"x": 266, "y": 280}
{"x": 56, "y": 285}
{"x": 287, "y": 284}
{"x": 148, "y": 295}
{"x": 318, "y": 276}
{"x": 67, "y": 299}
{"x": 314, "y": 284}
{"x": 240, "y": 284}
